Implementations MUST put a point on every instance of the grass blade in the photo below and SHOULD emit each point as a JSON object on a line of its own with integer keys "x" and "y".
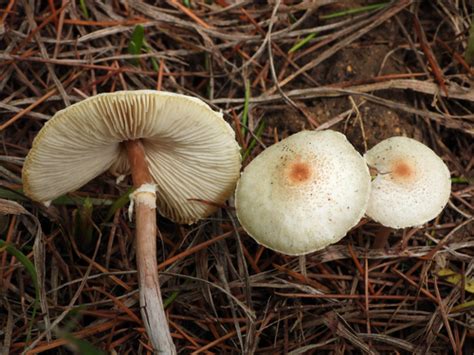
{"x": 30, "y": 268}
{"x": 245, "y": 113}
{"x": 66, "y": 200}
{"x": 354, "y": 11}
{"x": 119, "y": 203}
{"x": 83, "y": 224}
{"x": 253, "y": 142}
{"x": 301, "y": 43}
{"x": 83, "y": 6}
{"x": 136, "y": 42}
{"x": 82, "y": 346}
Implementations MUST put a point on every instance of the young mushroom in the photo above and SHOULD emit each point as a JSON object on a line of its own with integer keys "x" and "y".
{"x": 412, "y": 185}
{"x": 303, "y": 193}
{"x": 179, "y": 152}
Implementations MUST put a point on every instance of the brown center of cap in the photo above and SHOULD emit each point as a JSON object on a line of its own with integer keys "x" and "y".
{"x": 299, "y": 172}
{"x": 403, "y": 171}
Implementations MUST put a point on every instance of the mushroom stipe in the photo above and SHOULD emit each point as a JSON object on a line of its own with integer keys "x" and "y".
{"x": 151, "y": 303}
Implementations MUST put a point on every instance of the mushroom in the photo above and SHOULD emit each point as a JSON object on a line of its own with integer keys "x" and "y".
{"x": 179, "y": 152}
{"x": 412, "y": 185}
{"x": 303, "y": 193}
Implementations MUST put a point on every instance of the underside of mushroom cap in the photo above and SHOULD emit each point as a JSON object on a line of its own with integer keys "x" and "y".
{"x": 412, "y": 185}
{"x": 191, "y": 151}
{"x": 303, "y": 193}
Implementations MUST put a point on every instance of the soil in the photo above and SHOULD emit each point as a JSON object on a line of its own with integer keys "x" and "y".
{"x": 377, "y": 122}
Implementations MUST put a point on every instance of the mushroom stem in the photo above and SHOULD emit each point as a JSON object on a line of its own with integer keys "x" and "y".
{"x": 151, "y": 304}
{"x": 381, "y": 238}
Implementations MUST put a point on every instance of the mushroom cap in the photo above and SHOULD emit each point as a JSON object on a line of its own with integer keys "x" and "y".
{"x": 412, "y": 186}
{"x": 191, "y": 151}
{"x": 303, "y": 193}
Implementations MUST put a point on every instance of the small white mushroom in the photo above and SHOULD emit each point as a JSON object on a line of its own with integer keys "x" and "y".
{"x": 303, "y": 193}
{"x": 412, "y": 185}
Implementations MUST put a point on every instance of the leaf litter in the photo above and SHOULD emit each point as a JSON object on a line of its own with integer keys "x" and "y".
{"x": 370, "y": 70}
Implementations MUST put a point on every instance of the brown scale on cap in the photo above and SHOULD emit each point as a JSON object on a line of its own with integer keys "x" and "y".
{"x": 403, "y": 170}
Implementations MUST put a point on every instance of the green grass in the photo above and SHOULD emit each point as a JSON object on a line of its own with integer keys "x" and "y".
{"x": 118, "y": 203}
{"x": 136, "y": 42}
{"x": 84, "y": 225}
{"x": 66, "y": 200}
{"x": 245, "y": 113}
{"x": 258, "y": 132}
{"x": 83, "y": 6}
{"x": 337, "y": 14}
{"x": 170, "y": 299}
{"x": 30, "y": 268}
{"x": 353, "y": 11}
{"x": 462, "y": 306}
{"x": 461, "y": 180}
{"x": 83, "y": 347}
{"x": 138, "y": 45}
{"x": 303, "y": 42}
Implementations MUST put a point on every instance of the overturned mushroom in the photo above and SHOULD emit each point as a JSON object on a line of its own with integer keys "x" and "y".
{"x": 303, "y": 193}
{"x": 412, "y": 185}
{"x": 178, "y": 150}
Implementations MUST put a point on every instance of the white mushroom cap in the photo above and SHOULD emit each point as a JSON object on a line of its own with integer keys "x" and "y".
{"x": 303, "y": 193}
{"x": 191, "y": 151}
{"x": 412, "y": 186}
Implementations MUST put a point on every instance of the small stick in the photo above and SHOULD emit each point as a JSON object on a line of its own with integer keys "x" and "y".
{"x": 151, "y": 303}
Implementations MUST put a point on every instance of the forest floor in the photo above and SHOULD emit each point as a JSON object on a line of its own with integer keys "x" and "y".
{"x": 370, "y": 70}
